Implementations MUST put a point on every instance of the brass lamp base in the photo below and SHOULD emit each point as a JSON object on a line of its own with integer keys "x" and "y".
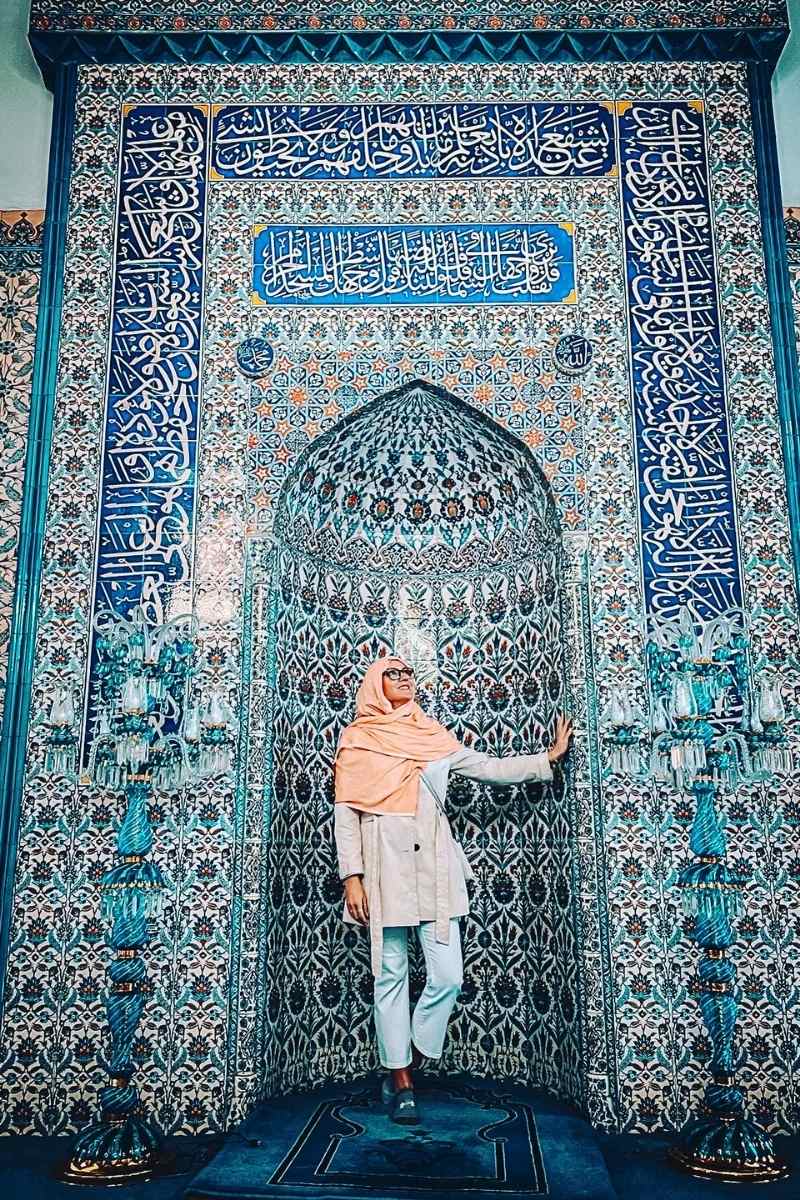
{"x": 116, "y": 1174}
{"x": 728, "y": 1171}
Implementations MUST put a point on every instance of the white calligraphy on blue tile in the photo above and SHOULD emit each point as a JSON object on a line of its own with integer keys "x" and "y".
{"x": 390, "y": 141}
{"x": 687, "y": 507}
{"x": 412, "y": 264}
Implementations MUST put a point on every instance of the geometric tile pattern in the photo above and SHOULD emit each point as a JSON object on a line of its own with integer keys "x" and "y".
{"x": 481, "y": 359}
{"x": 201, "y": 1041}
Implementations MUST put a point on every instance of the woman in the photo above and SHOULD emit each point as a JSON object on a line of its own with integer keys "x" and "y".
{"x": 400, "y": 864}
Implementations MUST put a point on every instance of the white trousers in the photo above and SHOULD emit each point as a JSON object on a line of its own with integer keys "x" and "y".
{"x": 394, "y": 1024}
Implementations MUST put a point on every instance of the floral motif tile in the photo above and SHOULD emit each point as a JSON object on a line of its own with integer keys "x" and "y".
{"x": 138, "y": 15}
{"x": 20, "y": 268}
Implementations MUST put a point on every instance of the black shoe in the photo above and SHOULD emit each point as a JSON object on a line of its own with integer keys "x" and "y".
{"x": 404, "y": 1107}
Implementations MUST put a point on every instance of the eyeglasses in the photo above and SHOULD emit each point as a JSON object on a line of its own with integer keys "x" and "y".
{"x": 398, "y": 673}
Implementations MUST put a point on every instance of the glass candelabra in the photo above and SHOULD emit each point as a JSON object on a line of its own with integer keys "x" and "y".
{"x": 714, "y": 725}
{"x": 151, "y": 734}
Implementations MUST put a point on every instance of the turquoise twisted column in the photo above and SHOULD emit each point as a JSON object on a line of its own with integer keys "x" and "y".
{"x": 121, "y": 1146}
{"x": 722, "y": 1143}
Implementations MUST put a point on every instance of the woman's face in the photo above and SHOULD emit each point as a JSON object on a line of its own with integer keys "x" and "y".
{"x": 398, "y": 685}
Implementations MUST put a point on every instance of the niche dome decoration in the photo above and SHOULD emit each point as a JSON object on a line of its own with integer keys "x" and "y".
{"x": 418, "y": 483}
{"x": 418, "y": 526}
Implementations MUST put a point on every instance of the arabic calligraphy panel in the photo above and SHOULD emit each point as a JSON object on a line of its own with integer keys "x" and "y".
{"x": 689, "y": 543}
{"x": 149, "y": 454}
{"x": 412, "y": 264}
{"x": 419, "y": 141}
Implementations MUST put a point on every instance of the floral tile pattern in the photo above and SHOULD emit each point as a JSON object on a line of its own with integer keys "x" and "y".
{"x": 139, "y": 15}
{"x": 201, "y": 1045}
{"x": 20, "y": 269}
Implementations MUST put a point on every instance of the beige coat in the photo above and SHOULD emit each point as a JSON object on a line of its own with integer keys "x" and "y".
{"x": 413, "y": 868}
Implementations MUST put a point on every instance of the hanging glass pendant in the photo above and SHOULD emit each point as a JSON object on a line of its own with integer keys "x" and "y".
{"x": 61, "y": 748}
{"x": 620, "y": 719}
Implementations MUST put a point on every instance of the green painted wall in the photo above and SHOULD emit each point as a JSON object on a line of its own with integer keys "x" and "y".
{"x": 26, "y": 108}
{"x": 786, "y": 93}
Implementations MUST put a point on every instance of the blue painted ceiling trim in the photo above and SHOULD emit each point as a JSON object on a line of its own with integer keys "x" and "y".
{"x": 439, "y": 46}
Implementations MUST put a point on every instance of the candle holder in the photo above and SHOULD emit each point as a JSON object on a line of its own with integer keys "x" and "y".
{"x": 149, "y": 736}
{"x": 714, "y": 725}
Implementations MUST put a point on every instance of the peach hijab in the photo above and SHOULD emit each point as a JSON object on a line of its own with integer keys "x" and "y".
{"x": 382, "y": 754}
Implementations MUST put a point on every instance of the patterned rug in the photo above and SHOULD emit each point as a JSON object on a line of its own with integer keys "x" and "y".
{"x": 477, "y": 1139}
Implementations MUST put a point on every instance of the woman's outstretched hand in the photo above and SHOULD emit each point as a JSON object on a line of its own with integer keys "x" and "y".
{"x": 562, "y": 739}
{"x": 356, "y": 899}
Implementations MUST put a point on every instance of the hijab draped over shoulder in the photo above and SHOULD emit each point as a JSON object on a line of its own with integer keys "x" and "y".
{"x": 382, "y": 754}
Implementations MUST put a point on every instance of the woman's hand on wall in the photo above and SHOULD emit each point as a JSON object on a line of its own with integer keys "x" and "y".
{"x": 560, "y": 745}
{"x": 355, "y": 897}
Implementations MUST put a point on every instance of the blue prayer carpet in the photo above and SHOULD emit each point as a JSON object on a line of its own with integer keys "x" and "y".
{"x": 483, "y": 1140}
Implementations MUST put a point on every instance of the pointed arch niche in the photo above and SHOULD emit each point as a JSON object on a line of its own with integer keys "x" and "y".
{"x": 415, "y": 525}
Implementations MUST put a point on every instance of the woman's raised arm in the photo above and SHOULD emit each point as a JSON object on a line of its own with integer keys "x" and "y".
{"x": 516, "y": 768}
